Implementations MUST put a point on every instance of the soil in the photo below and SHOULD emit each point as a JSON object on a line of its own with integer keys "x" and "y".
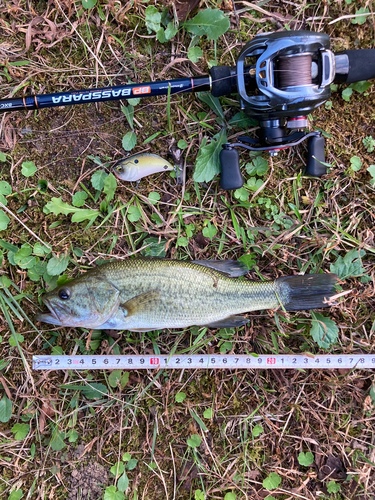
{"x": 87, "y": 482}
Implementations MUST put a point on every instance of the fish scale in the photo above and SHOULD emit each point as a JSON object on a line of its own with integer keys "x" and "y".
{"x": 178, "y": 305}
{"x": 153, "y": 294}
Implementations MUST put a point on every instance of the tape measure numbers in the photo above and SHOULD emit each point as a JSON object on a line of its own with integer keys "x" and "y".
{"x": 204, "y": 361}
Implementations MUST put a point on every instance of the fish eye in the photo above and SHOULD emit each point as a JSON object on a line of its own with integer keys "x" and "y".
{"x": 119, "y": 168}
{"x": 136, "y": 161}
{"x": 64, "y": 294}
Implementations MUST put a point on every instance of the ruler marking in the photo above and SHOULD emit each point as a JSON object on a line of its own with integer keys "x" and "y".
{"x": 204, "y": 361}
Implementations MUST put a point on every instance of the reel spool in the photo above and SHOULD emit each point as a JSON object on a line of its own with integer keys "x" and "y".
{"x": 290, "y": 75}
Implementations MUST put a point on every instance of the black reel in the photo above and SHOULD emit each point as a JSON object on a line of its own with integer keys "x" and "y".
{"x": 281, "y": 78}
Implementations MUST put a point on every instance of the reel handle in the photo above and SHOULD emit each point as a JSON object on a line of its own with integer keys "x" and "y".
{"x": 315, "y": 155}
{"x": 231, "y": 177}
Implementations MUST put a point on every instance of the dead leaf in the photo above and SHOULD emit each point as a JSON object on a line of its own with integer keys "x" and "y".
{"x": 332, "y": 469}
{"x": 184, "y": 7}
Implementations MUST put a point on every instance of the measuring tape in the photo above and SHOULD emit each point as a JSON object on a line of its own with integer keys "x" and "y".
{"x": 205, "y": 361}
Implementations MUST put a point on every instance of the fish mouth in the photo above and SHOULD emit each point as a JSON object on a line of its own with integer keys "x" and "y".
{"x": 50, "y": 317}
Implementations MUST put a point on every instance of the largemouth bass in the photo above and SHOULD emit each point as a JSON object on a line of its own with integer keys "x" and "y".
{"x": 153, "y": 294}
{"x": 135, "y": 167}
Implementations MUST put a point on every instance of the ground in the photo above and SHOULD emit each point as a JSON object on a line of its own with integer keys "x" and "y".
{"x": 169, "y": 434}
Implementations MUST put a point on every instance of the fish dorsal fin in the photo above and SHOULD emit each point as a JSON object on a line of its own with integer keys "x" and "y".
{"x": 231, "y": 268}
{"x": 141, "y": 303}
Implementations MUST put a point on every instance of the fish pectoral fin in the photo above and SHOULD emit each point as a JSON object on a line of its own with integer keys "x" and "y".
{"x": 140, "y": 303}
{"x": 229, "y": 322}
{"x": 231, "y": 268}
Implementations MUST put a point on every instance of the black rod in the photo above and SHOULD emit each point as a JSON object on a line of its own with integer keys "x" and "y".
{"x": 149, "y": 89}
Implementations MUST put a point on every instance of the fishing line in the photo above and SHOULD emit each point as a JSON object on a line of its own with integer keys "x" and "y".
{"x": 294, "y": 70}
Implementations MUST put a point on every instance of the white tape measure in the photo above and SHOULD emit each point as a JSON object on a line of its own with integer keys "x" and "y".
{"x": 204, "y": 361}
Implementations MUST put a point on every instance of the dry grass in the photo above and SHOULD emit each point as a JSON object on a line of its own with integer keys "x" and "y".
{"x": 330, "y": 414}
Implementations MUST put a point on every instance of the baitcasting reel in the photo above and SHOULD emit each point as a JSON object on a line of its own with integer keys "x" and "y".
{"x": 281, "y": 78}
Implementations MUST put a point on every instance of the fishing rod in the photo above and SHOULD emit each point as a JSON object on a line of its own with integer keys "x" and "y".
{"x": 280, "y": 77}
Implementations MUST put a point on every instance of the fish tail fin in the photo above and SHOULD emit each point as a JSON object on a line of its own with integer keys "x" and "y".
{"x": 310, "y": 291}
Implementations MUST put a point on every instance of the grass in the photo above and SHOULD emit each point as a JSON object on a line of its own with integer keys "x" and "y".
{"x": 235, "y": 435}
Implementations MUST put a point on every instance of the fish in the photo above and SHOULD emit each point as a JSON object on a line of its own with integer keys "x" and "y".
{"x": 144, "y": 294}
{"x": 135, "y": 167}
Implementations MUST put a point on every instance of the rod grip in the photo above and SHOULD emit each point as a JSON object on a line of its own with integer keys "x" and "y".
{"x": 361, "y": 65}
{"x": 315, "y": 155}
{"x": 231, "y": 177}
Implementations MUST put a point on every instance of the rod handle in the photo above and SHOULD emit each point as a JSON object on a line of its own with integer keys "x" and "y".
{"x": 315, "y": 155}
{"x": 361, "y": 65}
{"x": 231, "y": 177}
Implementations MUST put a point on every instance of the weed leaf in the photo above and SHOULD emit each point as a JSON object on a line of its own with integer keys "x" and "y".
{"x": 257, "y": 430}
{"x": 88, "y": 4}
{"x": 114, "y": 378}
{"x": 208, "y": 164}
{"x": 360, "y": 19}
{"x": 155, "y": 247}
{"x": 210, "y": 22}
{"x": 110, "y": 185}
{"x": 82, "y": 214}
{"x": 349, "y": 266}
{"x": 258, "y": 166}
{"x": 134, "y": 214}
{"x": 16, "y": 495}
{"x": 333, "y": 487}
{"x": 57, "y": 206}
{"x": 355, "y": 163}
{"x": 209, "y": 231}
{"x": 28, "y": 168}
{"x": 6, "y": 408}
{"x": 57, "y": 440}
{"x": 94, "y": 390}
{"x": 57, "y": 265}
{"x": 272, "y": 481}
{"x": 213, "y": 103}
{"x": 208, "y": 413}
{"x": 371, "y": 171}
{"x": 5, "y": 188}
{"x": 346, "y": 93}
{"x": 123, "y": 482}
{"x": 180, "y": 397}
{"x": 118, "y": 469}
{"x": 4, "y": 220}
{"x": 97, "y": 179}
{"x": 112, "y": 493}
{"x": 305, "y": 459}
{"x": 194, "y": 54}
{"x": 79, "y": 198}
{"x": 129, "y": 113}
{"x": 194, "y": 441}
{"x": 129, "y": 141}
{"x": 153, "y": 19}
{"x": 361, "y": 87}
{"x": 20, "y": 431}
{"x": 323, "y": 330}
{"x": 14, "y": 338}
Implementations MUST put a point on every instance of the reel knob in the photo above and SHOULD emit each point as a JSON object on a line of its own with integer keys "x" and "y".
{"x": 315, "y": 156}
{"x": 231, "y": 177}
